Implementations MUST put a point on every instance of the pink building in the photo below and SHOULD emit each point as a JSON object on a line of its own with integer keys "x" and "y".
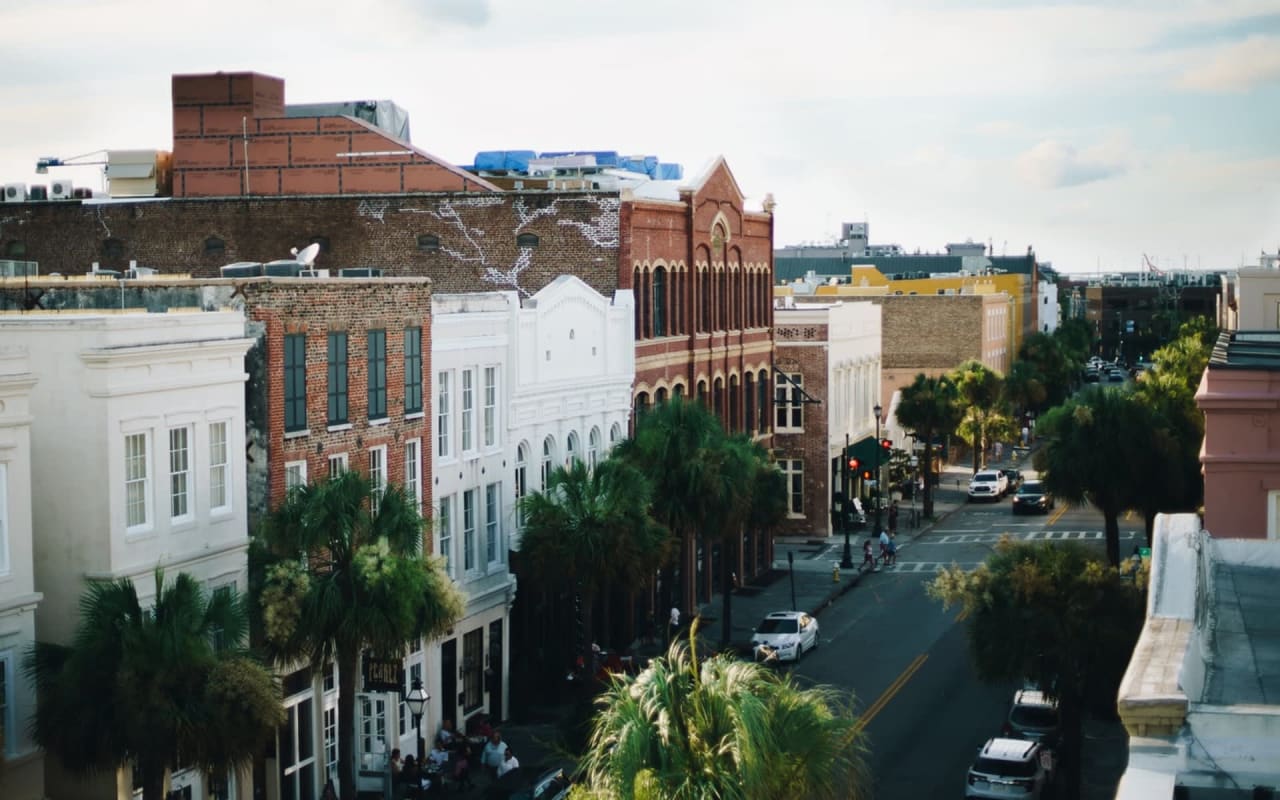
{"x": 1240, "y": 397}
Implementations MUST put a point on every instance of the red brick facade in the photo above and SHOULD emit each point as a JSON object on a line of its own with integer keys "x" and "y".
{"x": 809, "y": 444}
{"x": 231, "y": 138}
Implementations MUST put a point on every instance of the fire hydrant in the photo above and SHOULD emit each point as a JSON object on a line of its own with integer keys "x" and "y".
{"x": 835, "y": 571}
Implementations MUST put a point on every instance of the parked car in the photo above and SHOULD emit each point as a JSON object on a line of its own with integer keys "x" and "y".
{"x": 1032, "y": 496}
{"x": 988, "y": 485}
{"x": 1091, "y": 376}
{"x": 1014, "y": 478}
{"x": 784, "y": 636}
{"x": 1009, "y": 768}
{"x": 1116, "y": 376}
{"x": 1034, "y": 717}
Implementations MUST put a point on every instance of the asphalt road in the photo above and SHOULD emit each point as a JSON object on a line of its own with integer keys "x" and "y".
{"x": 906, "y": 660}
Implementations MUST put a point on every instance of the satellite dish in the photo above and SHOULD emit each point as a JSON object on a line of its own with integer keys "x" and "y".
{"x": 307, "y": 255}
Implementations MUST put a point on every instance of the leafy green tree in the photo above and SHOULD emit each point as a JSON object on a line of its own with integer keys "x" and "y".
{"x": 1024, "y": 387}
{"x": 345, "y": 573}
{"x": 674, "y": 446}
{"x": 153, "y": 688}
{"x": 1053, "y": 614}
{"x": 1093, "y": 443}
{"x": 930, "y": 408}
{"x": 981, "y": 391}
{"x": 1075, "y": 338}
{"x": 591, "y": 527}
{"x": 721, "y": 728}
{"x": 1186, "y": 357}
{"x": 1054, "y": 364}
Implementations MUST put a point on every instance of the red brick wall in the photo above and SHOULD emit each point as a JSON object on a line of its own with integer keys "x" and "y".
{"x": 811, "y": 362}
{"x": 314, "y": 308}
{"x": 225, "y": 121}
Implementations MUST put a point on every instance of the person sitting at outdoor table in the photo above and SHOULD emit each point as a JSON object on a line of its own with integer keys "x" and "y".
{"x": 494, "y": 751}
{"x": 447, "y": 735}
{"x": 439, "y": 755}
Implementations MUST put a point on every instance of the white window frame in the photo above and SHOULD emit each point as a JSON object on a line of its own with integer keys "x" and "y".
{"x": 444, "y": 415}
{"x": 548, "y": 460}
{"x": 1273, "y": 514}
{"x": 338, "y": 464}
{"x": 414, "y": 672}
{"x": 468, "y": 410}
{"x": 593, "y": 448}
{"x": 220, "y": 470}
{"x": 490, "y": 406}
{"x": 4, "y": 524}
{"x": 521, "y": 480}
{"x": 180, "y": 475}
{"x": 445, "y": 523}
{"x": 413, "y": 471}
{"x": 788, "y": 402}
{"x": 144, "y": 482}
{"x": 793, "y": 468}
{"x": 299, "y": 468}
{"x": 571, "y": 449}
{"x": 469, "y": 512}
{"x": 615, "y": 435}
{"x": 377, "y": 474}
{"x": 493, "y": 523}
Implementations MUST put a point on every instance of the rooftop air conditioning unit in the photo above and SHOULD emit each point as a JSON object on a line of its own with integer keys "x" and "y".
{"x": 15, "y": 193}
{"x": 242, "y": 269}
{"x": 282, "y": 269}
{"x": 360, "y": 272}
{"x": 61, "y": 190}
{"x": 140, "y": 272}
{"x": 38, "y": 192}
{"x": 314, "y": 273}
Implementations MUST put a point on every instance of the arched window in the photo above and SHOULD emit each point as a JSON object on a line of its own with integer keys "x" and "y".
{"x": 642, "y": 405}
{"x": 762, "y": 399}
{"x": 527, "y": 240}
{"x": 637, "y": 289}
{"x": 428, "y": 243}
{"x": 660, "y": 301}
{"x": 749, "y": 395}
{"x": 704, "y": 304}
{"x": 615, "y": 434}
{"x": 521, "y": 479}
{"x": 678, "y": 390}
{"x": 702, "y": 392}
{"x": 660, "y": 397}
{"x": 593, "y": 448}
{"x": 717, "y": 399}
{"x": 548, "y": 460}
{"x": 571, "y": 451}
{"x": 735, "y": 405}
{"x": 213, "y": 246}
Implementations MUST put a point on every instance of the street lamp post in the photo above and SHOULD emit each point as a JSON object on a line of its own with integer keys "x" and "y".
{"x": 417, "y": 700}
{"x": 879, "y": 491}
{"x": 846, "y": 558}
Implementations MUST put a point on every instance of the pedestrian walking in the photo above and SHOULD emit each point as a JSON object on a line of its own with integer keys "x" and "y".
{"x": 885, "y": 542}
{"x": 868, "y": 558}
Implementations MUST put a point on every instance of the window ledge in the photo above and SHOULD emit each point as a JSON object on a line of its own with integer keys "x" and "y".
{"x": 139, "y": 533}
{"x": 180, "y": 524}
{"x": 374, "y": 423}
{"x": 415, "y": 415}
{"x": 221, "y": 513}
{"x": 297, "y": 434}
{"x": 341, "y": 426}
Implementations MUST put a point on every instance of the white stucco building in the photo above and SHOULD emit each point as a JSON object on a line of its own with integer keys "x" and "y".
{"x": 574, "y": 352}
{"x": 22, "y": 777}
{"x": 140, "y": 418}
{"x": 466, "y": 673}
{"x": 1048, "y": 313}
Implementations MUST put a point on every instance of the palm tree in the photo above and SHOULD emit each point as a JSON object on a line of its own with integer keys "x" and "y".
{"x": 981, "y": 389}
{"x": 722, "y": 728}
{"x": 591, "y": 527}
{"x": 153, "y": 688}
{"x": 672, "y": 447}
{"x": 346, "y": 573}
{"x": 929, "y": 408}
{"x": 1093, "y": 443}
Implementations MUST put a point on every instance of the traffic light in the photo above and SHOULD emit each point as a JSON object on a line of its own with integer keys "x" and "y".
{"x": 866, "y": 474}
{"x": 887, "y": 444}
{"x": 853, "y": 465}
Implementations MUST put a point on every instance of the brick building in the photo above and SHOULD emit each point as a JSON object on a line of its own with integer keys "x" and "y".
{"x": 830, "y": 355}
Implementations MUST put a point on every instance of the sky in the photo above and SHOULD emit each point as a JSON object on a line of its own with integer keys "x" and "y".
{"x": 1095, "y": 133}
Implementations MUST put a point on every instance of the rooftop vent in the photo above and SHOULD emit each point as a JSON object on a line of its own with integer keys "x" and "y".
{"x": 242, "y": 269}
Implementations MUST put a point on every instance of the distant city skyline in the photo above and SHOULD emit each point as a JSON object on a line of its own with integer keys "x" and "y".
{"x": 1093, "y": 133}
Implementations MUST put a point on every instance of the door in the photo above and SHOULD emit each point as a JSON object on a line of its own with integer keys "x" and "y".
{"x": 493, "y": 674}
{"x": 449, "y": 682}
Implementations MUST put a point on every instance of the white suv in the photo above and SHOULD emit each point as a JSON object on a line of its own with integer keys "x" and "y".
{"x": 989, "y": 484}
{"x": 1009, "y": 768}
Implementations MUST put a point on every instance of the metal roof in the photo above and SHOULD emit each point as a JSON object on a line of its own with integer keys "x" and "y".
{"x": 1254, "y": 350}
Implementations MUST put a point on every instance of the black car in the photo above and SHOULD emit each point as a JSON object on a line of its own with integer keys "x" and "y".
{"x": 1032, "y": 496}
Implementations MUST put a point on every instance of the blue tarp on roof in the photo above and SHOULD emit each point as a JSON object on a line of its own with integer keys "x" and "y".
{"x": 670, "y": 172}
{"x": 498, "y": 160}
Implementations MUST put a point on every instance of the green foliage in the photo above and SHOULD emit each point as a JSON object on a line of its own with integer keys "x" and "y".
{"x": 722, "y": 728}
{"x": 1049, "y": 612}
{"x": 151, "y": 687}
{"x": 343, "y": 572}
{"x": 930, "y": 408}
{"x": 1075, "y": 338}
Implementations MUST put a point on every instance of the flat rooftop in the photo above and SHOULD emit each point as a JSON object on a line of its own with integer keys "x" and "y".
{"x": 1245, "y": 666}
{"x": 1256, "y": 350}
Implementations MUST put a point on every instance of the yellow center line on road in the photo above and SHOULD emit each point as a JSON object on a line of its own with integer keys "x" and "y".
{"x": 894, "y": 688}
{"x": 1057, "y": 515}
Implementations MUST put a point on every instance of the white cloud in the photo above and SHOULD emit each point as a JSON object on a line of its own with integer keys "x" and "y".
{"x": 1236, "y": 67}
{"x": 1054, "y": 164}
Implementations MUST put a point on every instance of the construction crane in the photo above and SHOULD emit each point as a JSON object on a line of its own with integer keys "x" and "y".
{"x": 86, "y": 159}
